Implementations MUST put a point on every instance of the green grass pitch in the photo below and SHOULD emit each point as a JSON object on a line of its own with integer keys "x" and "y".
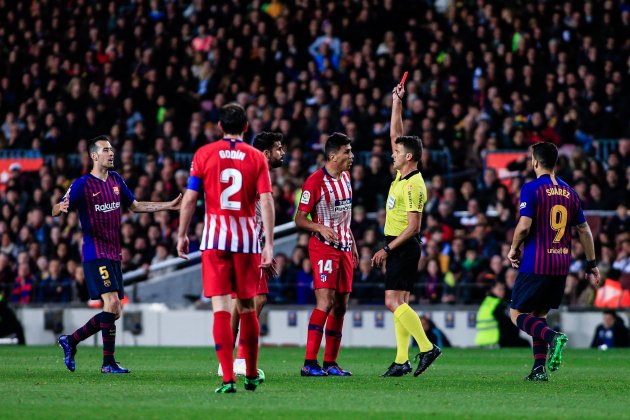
{"x": 180, "y": 382}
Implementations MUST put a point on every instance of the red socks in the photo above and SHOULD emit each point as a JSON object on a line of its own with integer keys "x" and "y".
{"x": 250, "y": 330}
{"x": 315, "y": 333}
{"x": 224, "y": 344}
{"x": 334, "y": 326}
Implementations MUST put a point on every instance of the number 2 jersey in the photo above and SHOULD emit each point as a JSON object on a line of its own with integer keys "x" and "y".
{"x": 553, "y": 207}
{"x": 329, "y": 201}
{"x": 232, "y": 174}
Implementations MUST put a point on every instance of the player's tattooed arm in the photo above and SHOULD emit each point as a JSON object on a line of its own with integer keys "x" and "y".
{"x": 153, "y": 206}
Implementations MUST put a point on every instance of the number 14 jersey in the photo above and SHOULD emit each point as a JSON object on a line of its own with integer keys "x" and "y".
{"x": 233, "y": 175}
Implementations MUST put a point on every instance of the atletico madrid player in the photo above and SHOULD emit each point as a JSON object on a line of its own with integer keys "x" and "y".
{"x": 327, "y": 197}
{"x": 548, "y": 209}
{"x": 233, "y": 175}
{"x": 98, "y": 196}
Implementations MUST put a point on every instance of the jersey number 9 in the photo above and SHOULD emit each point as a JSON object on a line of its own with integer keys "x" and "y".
{"x": 558, "y": 222}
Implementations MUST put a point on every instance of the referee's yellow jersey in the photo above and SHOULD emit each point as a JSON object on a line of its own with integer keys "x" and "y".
{"x": 405, "y": 194}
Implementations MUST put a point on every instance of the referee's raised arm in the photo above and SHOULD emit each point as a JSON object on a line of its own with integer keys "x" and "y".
{"x": 396, "y": 124}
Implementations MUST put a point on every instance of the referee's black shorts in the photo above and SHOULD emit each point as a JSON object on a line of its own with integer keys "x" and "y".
{"x": 402, "y": 265}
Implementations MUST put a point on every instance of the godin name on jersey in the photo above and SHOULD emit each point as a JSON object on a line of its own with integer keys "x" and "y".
{"x": 232, "y": 154}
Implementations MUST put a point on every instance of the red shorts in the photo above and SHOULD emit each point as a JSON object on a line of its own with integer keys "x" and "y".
{"x": 225, "y": 272}
{"x": 332, "y": 269}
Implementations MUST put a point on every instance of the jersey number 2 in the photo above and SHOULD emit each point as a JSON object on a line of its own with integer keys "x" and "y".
{"x": 559, "y": 218}
{"x": 237, "y": 182}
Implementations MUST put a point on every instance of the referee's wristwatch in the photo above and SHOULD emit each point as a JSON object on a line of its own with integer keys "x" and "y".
{"x": 386, "y": 249}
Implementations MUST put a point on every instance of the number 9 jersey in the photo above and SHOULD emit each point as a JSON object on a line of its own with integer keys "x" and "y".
{"x": 232, "y": 174}
{"x": 553, "y": 207}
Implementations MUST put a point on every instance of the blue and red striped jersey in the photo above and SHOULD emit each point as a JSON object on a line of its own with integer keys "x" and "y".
{"x": 98, "y": 203}
{"x": 553, "y": 207}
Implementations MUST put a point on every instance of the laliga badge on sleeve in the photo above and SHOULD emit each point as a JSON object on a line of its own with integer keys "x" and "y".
{"x": 357, "y": 319}
{"x": 292, "y": 319}
{"x": 379, "y": 319}
{"x": 449, "y": 319}
{"x": 472, "y": 320}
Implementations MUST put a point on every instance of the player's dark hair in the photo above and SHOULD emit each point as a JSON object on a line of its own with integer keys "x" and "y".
{"x": 334, "y": 143}
{"x": 92, "y": 147}
{"x": 546, "y": 153}
{"x": 232, "y": 118}
{"x": 266, "y": 140}
{"x": 413, "y": 145}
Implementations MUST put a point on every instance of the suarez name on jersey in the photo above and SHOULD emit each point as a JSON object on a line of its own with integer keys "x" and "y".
{"x": 553, "y": 207}
{"x": 98, "y": 204}
{"x": 329, "y": 202}
{"x": 233, "y": 175}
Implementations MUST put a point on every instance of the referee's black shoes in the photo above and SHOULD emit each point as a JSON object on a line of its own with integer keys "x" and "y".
{"x": 398, "y": 369}
{"x": 425, "y": 359}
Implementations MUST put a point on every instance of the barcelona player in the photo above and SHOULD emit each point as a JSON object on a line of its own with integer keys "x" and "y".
{"x": 327, "y": 197}
{"x": 234, "y": 177}
{"x": 548, "y": 209}
{"x": 98, "y": 197}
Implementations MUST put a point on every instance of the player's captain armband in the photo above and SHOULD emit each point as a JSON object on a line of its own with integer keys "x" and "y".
{"x": 306, "y": 197}
{"x": 194, "y": 183}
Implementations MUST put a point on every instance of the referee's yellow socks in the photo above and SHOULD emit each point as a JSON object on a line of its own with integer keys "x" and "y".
{"x": 409, "y": 319}
{"x": 402, "y": 342}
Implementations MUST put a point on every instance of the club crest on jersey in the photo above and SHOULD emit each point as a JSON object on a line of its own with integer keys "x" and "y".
{"x": 306, "y": 197}
{"x": 343, "y": 205}
{"x": 116, "y": 191}
{"x": 107, "y": 283}
{"x": 323, "y": 278}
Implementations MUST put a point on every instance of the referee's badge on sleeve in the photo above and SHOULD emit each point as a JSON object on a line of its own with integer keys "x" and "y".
{"x": 390, "y": 202}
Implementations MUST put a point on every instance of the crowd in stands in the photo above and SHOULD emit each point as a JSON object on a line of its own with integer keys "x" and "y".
{"x": 483, "y": 76}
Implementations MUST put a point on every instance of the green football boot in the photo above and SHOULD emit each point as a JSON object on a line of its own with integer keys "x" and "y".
{"x": 556, "y": 348}
{"x": 251, "y": 384}
{"x": 226, "y": 388}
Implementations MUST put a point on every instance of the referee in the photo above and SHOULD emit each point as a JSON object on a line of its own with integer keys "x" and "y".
{"x": 405, "y": 203}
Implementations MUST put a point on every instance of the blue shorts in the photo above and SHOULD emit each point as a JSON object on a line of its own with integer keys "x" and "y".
{"x": 103, "y": 276}
{"x": 536, "y": 292}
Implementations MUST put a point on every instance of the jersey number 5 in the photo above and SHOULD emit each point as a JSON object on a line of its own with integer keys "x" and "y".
{"x": 234, "y": 175}
{"x": 558, "y": 222}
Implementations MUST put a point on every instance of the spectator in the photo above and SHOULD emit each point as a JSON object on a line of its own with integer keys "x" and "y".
{"x": 612, "y": 332}
{"x": 56, "y": 287}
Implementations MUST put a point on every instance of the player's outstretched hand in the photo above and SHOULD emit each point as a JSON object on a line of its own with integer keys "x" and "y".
{"x": 182, "y": 247}
{"x": 177, "y": 203}
{"x": 594, "y": 277}
{"x": 379, "y": 258}
{"x": 515, "y": 257}
{"x": 399, "y": 92}
{"x": 328, "y": 234}
{"x": 64, "y": 205}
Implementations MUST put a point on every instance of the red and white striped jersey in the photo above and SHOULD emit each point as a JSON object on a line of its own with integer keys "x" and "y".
{"x": 329, "y": 202}
{"x": 234, "y": 174}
